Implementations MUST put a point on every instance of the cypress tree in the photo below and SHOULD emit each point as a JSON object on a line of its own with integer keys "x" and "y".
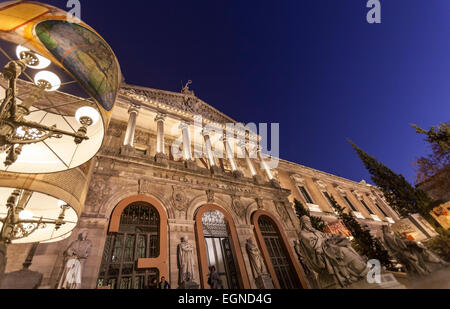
{"x": 399, "y": 193}
{"x": 434, "y": 170}
{"x": 363, "y": 242}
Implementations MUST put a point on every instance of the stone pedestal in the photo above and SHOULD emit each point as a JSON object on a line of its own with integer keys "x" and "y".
{"x": 190, "y": 285}
{"x": 258, "y": 180}
{"x": 21, "y": 280}
{"x": 388, "y": 282}
{"x": 190, "y": 164}
{"x": 162, "y": 159}
{"x": 126, "y": 150}
{"x": 275, "y": 183}
{"x": 238, "y": 174}
{"x": 264, "y": 282}
{"x": 436, "y": 280}
{"x": 215, "y": 170}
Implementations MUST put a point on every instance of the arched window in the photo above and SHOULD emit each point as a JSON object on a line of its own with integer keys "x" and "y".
{"x": 138, "y": 238}
{"x": 279, "y": 258}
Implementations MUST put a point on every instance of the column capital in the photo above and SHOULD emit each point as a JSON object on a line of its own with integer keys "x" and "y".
{"x": 183, "y": 125}
{"x": 242, "y": 144}
{"x": 134, "y": 109}
{"x": 160, "y": 117}
{"x": 206, "y": 132}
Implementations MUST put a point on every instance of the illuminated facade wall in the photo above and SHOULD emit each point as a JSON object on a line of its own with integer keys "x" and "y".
{"x": 130, "y": 169}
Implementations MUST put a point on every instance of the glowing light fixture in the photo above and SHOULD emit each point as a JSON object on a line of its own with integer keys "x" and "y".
{"x": 38, "y": 62}
{"x": 47, "y": 80}
{"x": 87, "y": 116}
{"x": 26, "y": 215}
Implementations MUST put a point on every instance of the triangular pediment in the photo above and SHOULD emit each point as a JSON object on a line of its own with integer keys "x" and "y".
{"x": 178, "y": 102}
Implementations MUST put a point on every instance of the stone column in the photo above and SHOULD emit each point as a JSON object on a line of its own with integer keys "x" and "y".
{"x": 266, "y": 168}
{"x": 160, "y": 156}
{"x": 264, "y": 165}
{"x": 247, "y": 159}
{"x": 209, "y": 154}
{"x": 187, "y": 152}
{"x": 250, "y": 165}
{"x": 230, "y": 156}
{"x": 131, "y": 128}
{"x": 160, "y": 143}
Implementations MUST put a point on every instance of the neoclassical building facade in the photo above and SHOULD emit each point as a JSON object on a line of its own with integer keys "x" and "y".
{"x": 142, "y": 200}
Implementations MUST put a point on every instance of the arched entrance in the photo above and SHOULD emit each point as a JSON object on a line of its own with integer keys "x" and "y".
{"x": 135, "y": 250}
{"x": 218, "y": 246}
{"x": 276, "y": 251}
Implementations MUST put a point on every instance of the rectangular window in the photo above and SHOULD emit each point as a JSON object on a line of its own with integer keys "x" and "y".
{"x": 350, "y": 204}
{"x": 328, "y": 199}
{"x": 367, "y": 207}
{"x": 306, "y": 195}
{"x": 381, "y": 209}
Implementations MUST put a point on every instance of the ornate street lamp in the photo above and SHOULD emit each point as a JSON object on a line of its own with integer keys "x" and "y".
{"x": 57, "y": 92}
{"x": 15, "y": 130}
{"x": 62, "y": 66}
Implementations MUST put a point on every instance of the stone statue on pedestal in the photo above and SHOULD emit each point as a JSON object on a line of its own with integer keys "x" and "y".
{"x": 417, "y": 259}
{"x": 75, "y": 258}
{"x": 262, "y": 278}
{"x": 186, "y": 270}
{"x": 311, "y": 274}
{"x": 331, "y": 255}
{"x": 256, "y": 260}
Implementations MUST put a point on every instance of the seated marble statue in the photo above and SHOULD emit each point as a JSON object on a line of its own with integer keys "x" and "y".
{"x": 417, "y": 259}
{"x": 331, "y": 254}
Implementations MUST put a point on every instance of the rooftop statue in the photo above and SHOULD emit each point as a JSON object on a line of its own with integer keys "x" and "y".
{"x": 329, "y": 254}
{"x": 186, "y": 90}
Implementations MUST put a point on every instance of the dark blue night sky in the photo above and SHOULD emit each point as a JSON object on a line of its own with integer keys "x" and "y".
{"x": 315, "y": 66}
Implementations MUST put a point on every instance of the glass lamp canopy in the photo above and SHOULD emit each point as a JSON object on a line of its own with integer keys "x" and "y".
{"x": 68, "y": 80}
{"x": 41, "y": 206}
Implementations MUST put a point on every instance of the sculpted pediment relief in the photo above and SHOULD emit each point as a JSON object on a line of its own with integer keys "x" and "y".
{"x": 171, "y": 100}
